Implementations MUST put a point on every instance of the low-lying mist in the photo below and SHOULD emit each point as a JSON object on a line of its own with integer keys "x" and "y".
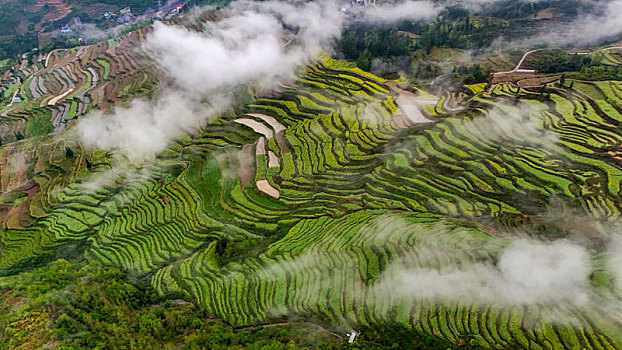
{"x": 246, "y": 47}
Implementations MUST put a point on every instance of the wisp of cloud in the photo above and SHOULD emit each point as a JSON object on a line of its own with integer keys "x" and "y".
{"x": 527, "y": 272}
{"x": 413, "y": 10}
{"x": 247, "y": 46}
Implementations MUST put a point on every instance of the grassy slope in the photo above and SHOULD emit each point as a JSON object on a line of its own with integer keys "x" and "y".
{"x": 358, "y": 194}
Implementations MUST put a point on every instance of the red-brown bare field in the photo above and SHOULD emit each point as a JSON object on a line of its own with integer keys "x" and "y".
{"x": 59, "y": 9}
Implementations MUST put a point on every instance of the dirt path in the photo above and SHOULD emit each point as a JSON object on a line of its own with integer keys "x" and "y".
{"x": 266, "y": 325}
{"x": 47, "y": 59}
{"x": 13, "y": 98}
{"x": 277, "y": 324}
{"x": 520, "y": 63}
{"x": 6, "y": 113}
{"x": 59, "y": 97}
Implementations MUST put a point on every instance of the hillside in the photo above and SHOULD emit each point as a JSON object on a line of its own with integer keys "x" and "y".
{"x": 29, "y": 25}
{"x": 479, "y": 216}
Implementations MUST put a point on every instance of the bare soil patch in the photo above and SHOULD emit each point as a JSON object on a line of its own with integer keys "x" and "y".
{"x": 265, "y": 187}
{"x": 58, "y": 10}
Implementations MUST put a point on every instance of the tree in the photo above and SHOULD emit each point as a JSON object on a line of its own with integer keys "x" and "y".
{"x": 365, "y": 60}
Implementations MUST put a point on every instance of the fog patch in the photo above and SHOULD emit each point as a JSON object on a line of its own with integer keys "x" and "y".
{"x": 588, "y": 29}
{"x": 412, "y": 10}
{"x": 145, "y": 127}
{"x": 527, "y": 272}
{"x": 615, "y": 258}
{"x": 248, "y": 46}
{"x": 520, "y": 124}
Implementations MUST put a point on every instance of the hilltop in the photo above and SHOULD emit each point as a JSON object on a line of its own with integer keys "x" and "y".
{"x": 33, "y": 26}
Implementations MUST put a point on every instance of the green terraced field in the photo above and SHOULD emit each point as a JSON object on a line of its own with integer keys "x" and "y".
{"x": 301, "y": 210}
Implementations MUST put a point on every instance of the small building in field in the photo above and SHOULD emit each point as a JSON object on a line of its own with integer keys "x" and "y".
{"x": 353, "y": 335}
{"x": 526, "y": 71}
{"x": 178, "y": 8}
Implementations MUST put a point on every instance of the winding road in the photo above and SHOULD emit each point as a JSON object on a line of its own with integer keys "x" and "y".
{"x": 520, "y": 63}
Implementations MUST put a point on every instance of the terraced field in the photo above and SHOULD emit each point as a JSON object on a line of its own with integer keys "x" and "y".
{"x": 301, "y": 201}
{"x": 69, "y": 82}
{"x": 611, "y": 56}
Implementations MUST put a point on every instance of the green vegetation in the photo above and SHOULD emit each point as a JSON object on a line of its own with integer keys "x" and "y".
{"x": 83, "y": 8}
{"x": 191, "y": 225}
{"x": 235, "y": 239}
{"x": 598, "y": 73}
{"x": 24, "y": 21}
{"x": 69, "y": 305}
{"x": 599, "y": 66}
{"x": 18, "y": 26}
{"x": 561, "y": 61}
{"x": 38, "y": 123}
{"x": 377, "y": 42}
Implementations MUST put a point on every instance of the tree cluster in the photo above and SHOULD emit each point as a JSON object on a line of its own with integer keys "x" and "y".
{"x": 560, "y": 61}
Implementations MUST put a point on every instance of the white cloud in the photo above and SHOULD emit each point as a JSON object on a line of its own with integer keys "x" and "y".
{"x": 143, "y": 128}
{"x": 236, "y": 50}
{"x": 615, "y": 258}
{"x": 527, "y": 272}
{"x": 247, "y": 46}
{"x": 587, "y": 29}
{"x": 413, "y": 10}
{"x": 517, "y": 124}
